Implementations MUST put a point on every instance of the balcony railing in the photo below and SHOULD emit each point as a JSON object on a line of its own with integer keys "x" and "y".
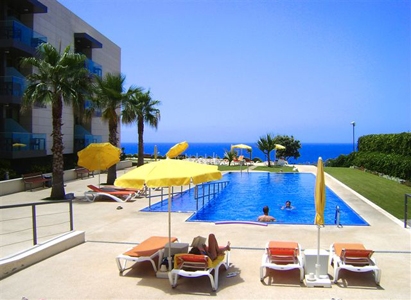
{"x": 82, "y": 141}
{"x": 22, "y": 144}
{"x": 94, "y": 67}
{"x": 16, "y": 31}
{"x": 12, "y": 86}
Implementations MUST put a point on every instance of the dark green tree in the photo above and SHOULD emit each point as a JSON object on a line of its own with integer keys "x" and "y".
{"x": 109, "y": 96}
{"x": 291, "y": 145}
{"x": 141, "y": 108}
{"x": 57, "y": 79}
{"x": 266, "y": 145}
{"x": 230, "y": 156}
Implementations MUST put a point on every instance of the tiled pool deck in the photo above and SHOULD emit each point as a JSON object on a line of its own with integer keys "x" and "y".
{"x": 89, "y": 271}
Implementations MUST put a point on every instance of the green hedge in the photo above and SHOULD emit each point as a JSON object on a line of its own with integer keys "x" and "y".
{"x": 389, "y": 164}
{"x": 389, "y": 154}
{"x": 399, "y": 143}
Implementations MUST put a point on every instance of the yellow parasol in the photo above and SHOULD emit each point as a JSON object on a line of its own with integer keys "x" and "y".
{"x": 319, "y": 196}
{"x": 98, "y": 156}
{"x": 168, "y": 173}
{"x": 177, "y": 149}
{"x": 279, "y": 147}
{"x": 19, "y": 145}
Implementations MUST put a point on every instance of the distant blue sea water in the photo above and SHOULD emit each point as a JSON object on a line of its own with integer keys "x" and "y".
{"x": 309, "y": 152}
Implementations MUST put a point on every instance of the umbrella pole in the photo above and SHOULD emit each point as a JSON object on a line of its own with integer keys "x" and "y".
{"x": 317, "y": 265}
{"x": 169, "y": 229}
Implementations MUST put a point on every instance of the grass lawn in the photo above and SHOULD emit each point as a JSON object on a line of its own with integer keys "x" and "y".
{"x": 387, "y": 194}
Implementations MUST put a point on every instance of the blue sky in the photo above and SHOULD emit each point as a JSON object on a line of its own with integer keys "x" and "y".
{"x": 233, "y": 71}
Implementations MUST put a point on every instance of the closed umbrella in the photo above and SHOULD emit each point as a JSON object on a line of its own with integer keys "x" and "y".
{"x": 177, "y": 149}
{"x": 168, "y": 173}
{"x": 319, "y": 197}
{"x": 98, "y": 156}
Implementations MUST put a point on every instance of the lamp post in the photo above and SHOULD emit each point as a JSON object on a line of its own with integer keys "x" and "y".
{"x": 353, "y": 136}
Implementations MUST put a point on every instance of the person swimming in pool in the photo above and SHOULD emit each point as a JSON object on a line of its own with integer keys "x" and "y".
{"x": 287, "y": 205}
{"x": 265, "y": 217}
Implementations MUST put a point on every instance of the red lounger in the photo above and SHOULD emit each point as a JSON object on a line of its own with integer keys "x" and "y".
{"x": 119, "y": 195}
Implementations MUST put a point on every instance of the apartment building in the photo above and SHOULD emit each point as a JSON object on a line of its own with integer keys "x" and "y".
{"x": 25, "y": 24}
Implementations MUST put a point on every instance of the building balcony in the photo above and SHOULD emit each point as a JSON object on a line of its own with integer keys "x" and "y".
{"x": 14, "y": 34}
{"x": 11, "y": 89}
{"x": 14, "y": 145}
{"x": 94, "y": 67}
{"x": 81, "y": 141}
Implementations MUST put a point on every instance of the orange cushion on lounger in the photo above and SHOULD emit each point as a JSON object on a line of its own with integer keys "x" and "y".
{"x": 287, "y": 247}
{"x": 282, "y": 251}
{"x": 357, "y": 253}
{"x": 149, "y": 246}
{"x": 339, "y": 246}
{"x": 193, "y": 257}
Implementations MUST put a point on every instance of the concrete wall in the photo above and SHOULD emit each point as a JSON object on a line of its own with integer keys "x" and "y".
{"x": 17, "y": 185}
{"x": 24, "y": 259}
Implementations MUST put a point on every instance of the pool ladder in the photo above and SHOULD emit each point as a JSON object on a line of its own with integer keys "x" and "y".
{"x": 207, "y": 191}
{"x": 337, "y": 217}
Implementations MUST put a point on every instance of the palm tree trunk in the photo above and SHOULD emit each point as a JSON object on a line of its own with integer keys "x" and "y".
{"x": 57, "y": 189}
{"x": 112, "y": 171}
{"x": 140, "y": 133}
{"x": 268, "y": 159}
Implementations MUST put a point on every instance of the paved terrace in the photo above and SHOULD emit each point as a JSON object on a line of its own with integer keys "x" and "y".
{"x": 89, "y": 271}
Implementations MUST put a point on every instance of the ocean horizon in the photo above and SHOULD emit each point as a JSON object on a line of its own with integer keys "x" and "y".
{"x": 309, "y": 152}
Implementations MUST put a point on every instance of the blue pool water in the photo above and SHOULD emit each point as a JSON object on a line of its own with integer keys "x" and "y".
{"x": 247, "y": 193}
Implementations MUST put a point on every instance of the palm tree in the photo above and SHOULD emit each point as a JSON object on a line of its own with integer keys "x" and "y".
{"x": 109, "y": 96}
{"x": 266, "y": 145}
{"x": 230, "y": 156}
{"x": 59, "y": 78}
{"x": 141, "y": 108}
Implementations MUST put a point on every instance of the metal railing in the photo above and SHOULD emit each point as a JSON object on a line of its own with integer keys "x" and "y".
{"x": 209, "y": 191}
{"x": 406, "y": 196}
{"x": 163, "y": 193}
{"x": 204, "y": 191}
{"x": 13, "y": 30}
{"x": 34, "y": 215}
{"x": 22, "y": 141}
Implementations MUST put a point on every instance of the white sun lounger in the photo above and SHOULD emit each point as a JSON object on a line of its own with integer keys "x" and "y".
{"x": 196, "y": 265}
{"x": 147, "y": 250}
{"x": 355, "y": 258}
{"x": 282, "y": 256}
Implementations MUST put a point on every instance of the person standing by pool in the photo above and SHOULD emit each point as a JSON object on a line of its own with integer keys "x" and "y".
{"x": 265, "y": 217}
{"x": 287, "y": 205}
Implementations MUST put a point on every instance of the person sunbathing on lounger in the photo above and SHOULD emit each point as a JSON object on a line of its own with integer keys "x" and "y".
{"x": 212, "y": 250}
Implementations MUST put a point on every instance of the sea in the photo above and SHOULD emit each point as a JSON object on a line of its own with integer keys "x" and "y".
{"x": 309, "y": 152}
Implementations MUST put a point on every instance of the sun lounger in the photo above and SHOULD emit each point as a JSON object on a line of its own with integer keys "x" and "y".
{"x": 119, "y": 195}
{"x": 148, "y": 250}
{"x": 353, "y": 257}
{"x": 282, "y": 256}
{"x": 196, "y": 265}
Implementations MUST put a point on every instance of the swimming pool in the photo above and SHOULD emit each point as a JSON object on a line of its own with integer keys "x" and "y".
{"x": 247, "y": 193}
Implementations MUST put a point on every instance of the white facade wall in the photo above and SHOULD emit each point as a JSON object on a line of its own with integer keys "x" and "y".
{"x": 59, "y": 25}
